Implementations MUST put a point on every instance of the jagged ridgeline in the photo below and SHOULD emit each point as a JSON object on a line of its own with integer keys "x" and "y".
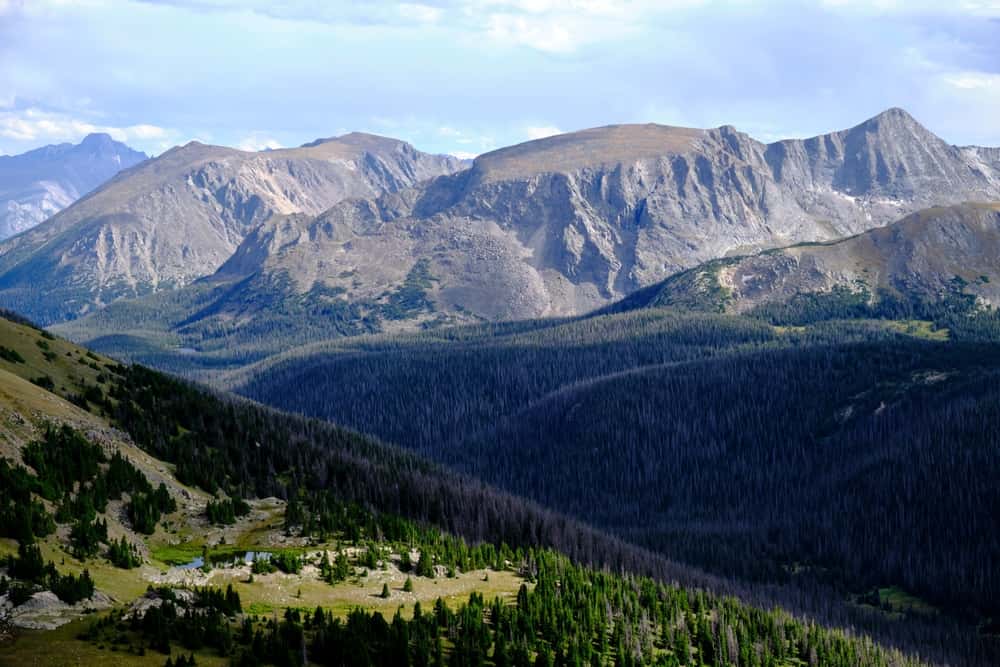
{"x": 357, "y": 507}
{"x": 553, "y": 227}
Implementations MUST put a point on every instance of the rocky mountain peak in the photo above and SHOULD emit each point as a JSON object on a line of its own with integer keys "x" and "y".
{"x": 180, "y": 216}
{"x": 100, "y": 141}
{"x": 359, "y": 140}
{"x": 562, "y": 224}
{"x": 38, "y": 184}
{"x": 893, "y": 117}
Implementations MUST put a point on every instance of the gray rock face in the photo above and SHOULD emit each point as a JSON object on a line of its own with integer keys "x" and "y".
{"x": 929, "y": 254}
{"x": 40, "y": 183}
{"x": 178, "y": 217}
{"x": 568, "y": 223}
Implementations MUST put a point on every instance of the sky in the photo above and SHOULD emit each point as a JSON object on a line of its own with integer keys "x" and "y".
{"x": 468, "y": 76}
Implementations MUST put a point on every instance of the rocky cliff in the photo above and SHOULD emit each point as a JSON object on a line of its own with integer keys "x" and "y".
{"x": 926, "y": 257}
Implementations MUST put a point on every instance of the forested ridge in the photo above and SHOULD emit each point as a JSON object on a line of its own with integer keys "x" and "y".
{"x": 802, "y": 450}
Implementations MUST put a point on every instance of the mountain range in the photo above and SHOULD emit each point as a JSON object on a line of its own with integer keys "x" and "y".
{"x": 562, "y": 225}
{"x": 232, "y": 251}
{"x": 640, "y": 345}
{"x": 40, "y": 183}
{"x": 176, "y": 218}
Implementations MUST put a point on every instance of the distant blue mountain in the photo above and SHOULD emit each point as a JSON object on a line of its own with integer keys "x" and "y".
{"x": 42, "y": 182}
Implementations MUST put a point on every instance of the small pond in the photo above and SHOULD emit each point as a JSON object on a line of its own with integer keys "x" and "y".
{"x": 228, "y": 559}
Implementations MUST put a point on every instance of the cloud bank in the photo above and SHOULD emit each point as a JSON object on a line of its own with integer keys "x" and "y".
{"x": 492, "y": 72}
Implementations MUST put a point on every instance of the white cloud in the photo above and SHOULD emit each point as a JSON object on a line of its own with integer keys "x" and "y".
{"x": 464, "y": 155}
{"x": 565, "y": 26}
{"x": 973, "y": 80}
{"x": 420, "y": 13}
{"x": 141, "y": 131}
{"x": 540, "y": 132}
{"x": 543, "y": 34}
{"x": 466, "y": 138}
{"x": 927, "y": 7}
{"x": 7, "y": 6}
{"x": 258, "y": 142}
{"x": 43, "y": 127}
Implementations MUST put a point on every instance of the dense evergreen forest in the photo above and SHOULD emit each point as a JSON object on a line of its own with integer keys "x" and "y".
{"x": 569, "y": 616}
{"x": 222, "y": 444}
{"x": 779, "y": 447}
{"x": 299, "y": 454}
{"x": 566, "y": 614}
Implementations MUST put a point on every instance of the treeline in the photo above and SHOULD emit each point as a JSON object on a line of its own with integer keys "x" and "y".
{"x": 232, "y": 325}
{"x": 958, "y": 312}
{"x": 571, "y": 616}
{"x": 32, "y": 573}
{"x": 565, "y": 614}
{"x": 77, "y": 476}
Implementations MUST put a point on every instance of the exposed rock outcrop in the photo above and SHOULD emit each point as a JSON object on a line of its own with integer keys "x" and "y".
{"x": 926, "y": 256}
{"x": 568, "y": 223}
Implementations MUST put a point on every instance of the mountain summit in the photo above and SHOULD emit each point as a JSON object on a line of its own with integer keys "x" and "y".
{"x": 42, "y": 182}
{"x": 560, "y": 225}
{"x": 555, "y": 226}
{"x": 179, "y": 216}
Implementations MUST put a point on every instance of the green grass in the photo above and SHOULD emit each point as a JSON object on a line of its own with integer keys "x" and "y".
{"x": 896, "y": 603}
{"x": 61, "y": 647}
{"x": 175, "y": 554}
{"x": 922, "y": 329}
{"x": 899, "y": 600}
{"x": 67, "y": 364}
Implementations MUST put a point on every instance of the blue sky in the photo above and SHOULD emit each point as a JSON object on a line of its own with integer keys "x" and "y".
{"x": 466, "y": 76}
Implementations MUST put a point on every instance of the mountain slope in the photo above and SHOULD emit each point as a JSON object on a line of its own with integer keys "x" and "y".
{"x": 927, "y": 257}
{"x": 178, "y": 217}
{"x": 40, "y": 183}
{"x": 232, "y": 587}
{"x": 560, "y": 224}
{"x": 708, "y": 437}
{"x": 563, "y": 225}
